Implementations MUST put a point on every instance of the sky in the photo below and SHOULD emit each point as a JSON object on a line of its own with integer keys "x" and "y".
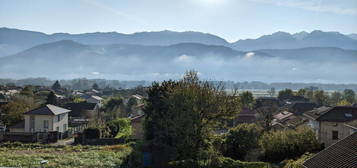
{"x": 229, "y": 19}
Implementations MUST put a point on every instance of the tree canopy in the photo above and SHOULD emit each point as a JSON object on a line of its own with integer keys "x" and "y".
{"x": 181, "y": 117}
{"x": 56, "y": 86}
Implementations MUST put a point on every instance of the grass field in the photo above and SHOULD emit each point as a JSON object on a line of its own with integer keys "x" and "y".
{"x": 30, "y": 155}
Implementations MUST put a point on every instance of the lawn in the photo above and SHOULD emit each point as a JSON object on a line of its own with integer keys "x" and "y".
{"x": 30, "y": 155}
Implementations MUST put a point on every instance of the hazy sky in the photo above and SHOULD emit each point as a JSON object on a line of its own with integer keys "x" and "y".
{"x": 230, "y": 19}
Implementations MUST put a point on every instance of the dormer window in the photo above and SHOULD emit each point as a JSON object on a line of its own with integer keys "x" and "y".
{"x": 348, "y": 115}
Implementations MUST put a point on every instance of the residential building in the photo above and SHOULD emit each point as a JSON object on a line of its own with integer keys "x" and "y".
{"x": 352, "y": 126}
{"x": 83, "y": 110}
{"x": 329, "y": 123}
{"x": 245, "y": 116}
{"x": 298, "y": 108}
{"x": 46, "y": 118}
{"x": 342, "y": 154}
{"x": 285, "y": 119}
{"x": 95, "y": 99}
{"x": 81, "y": 114}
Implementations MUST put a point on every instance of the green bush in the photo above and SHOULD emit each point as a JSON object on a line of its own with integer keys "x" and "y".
{"x": 120, "y": 128}
{"x": 240, "y": 140}
{"x": 91, "y": 133}
{"x": 281, "y": 145}
{"x": 298, "y": 162}
{"x": 221, "y": 162}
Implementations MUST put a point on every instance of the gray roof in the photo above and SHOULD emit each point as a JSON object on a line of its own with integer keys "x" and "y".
{"x": 333, "y": 114}
{"x": 316, "y": 113}
{"x": 342, "y": 154}
{"x": 49, "y": 109}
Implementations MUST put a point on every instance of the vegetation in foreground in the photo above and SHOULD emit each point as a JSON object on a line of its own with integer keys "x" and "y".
{"x": 30, "y": 155}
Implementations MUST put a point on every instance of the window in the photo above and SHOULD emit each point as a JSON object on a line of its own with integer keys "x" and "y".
{"x": 57, "y": 128}
{"x": 64, "y": 127}
{"x": 45, "y": 124}
{"x": 334, "y": 135}
{"x": 59, "y": 117}
{"x": 348, "y": 115}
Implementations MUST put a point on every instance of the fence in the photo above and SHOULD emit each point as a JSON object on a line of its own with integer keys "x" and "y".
{"x": 30, "y": 137}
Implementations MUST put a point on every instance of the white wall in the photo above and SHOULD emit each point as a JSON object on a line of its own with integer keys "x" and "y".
{"x": 63, "y": 121}
{"x": 39, "y": 123}
{"x": 53, "y": 123}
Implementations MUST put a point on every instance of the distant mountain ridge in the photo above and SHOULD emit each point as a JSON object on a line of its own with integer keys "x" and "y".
{"x": 283, "y": 40}
{"x": 67, "y": 56}
{"x": 14, "y": 40}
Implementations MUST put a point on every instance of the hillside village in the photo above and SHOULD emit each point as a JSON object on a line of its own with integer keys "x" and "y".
{"x": 252, "y": 130}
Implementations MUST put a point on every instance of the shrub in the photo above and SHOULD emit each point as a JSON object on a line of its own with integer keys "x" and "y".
{"x": 120, "y": 128}
{"x": 297, "y": 163}
{"x": 220, "y": 162}
{"x": 91, "y": 133}
{"x": 280, "y": 145}
{"x": 240, "y": 140}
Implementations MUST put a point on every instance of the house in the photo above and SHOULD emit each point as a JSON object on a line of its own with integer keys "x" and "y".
{"x": 245, "y": 116}
{"x": 287, "y": 119}
{"x": 352, "y": 126}
{"x": 266, "y": 101}
{"x": 138, "y": 110}
{"x": 137, "y": 124}
{"x": 83, "y": 110}
{"x": 342, "y": 154}
{"x": 329, "y": 122}
{"x": 80, "y": 115}
{"x": 298, "y": 108}
{"x": 95, "y": 99}
{"x": 46, "y": 118}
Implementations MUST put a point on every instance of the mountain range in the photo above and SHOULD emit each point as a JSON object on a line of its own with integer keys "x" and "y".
{"x": 301, "y": 56}
{"x": 13, "y": 40}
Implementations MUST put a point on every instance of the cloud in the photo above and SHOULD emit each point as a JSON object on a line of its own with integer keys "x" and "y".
{"x": 95, "y": 73}
{"x": 249, "y": 55}
{"x": 184, "y": 59}
{"x": 313, "y": 5}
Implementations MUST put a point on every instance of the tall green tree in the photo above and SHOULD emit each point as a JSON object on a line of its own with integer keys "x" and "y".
{"x": 349, "y": 95}
{"x": 95, "y": 86}
{"x": 13, "y": 112}
{"x": 302, "y": 92}
{"x": 247, "y": 99}
{"x": 181, "y": 117}
{"x": 265, "y": 114}
{"x": 320, "y": 98}
{"x": 285, "y": 94}
{"x": 335, "y": 98}
{"x": 56, "y": 86}
{"x": 51, "y": 98}
{"x": 114, "y": 108}
{"x": 27, "y": 91}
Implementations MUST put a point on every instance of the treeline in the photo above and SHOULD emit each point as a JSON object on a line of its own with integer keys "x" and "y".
{"x": 84, "y": 83}
{"x": 320, "y": 97}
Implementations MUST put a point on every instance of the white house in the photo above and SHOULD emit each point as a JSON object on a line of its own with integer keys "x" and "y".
{"x": 95, "y": 99}
{"x": 46, "y": 118}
